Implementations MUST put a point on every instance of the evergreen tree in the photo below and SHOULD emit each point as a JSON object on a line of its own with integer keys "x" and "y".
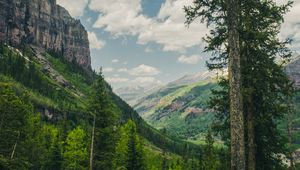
{"x": 227, "y": 15}
{"x": 106, "y": 120}
{"x": 129, "y": 150}
{"x": 210, "y": 160}
{"x": 75, "y": 153}
{"x": 265, "y": 87}
{"x": 13, "y": 113}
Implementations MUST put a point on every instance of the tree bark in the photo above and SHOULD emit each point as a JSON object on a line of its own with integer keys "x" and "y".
{"x": 234, "y": 70}
{"x": 92, "y": 144}
{"x": 15, "y": 146}
{"x": 251, "y": 135}
{"x": 290, "y": 155}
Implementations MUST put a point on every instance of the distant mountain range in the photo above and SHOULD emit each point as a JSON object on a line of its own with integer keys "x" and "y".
{"x": 133, "y": 94}
{"x": 181, "y": 106}
{"x": 197, "y": 77}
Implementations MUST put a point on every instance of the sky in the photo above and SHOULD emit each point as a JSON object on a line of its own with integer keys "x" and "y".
{"x": 146, "y": 43}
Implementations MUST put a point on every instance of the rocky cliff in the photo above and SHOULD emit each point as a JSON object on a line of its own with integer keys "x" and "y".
{"x": 293, "y": 71}
{"x": 45, "y": 24}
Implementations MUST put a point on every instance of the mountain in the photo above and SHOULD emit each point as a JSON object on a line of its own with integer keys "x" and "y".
{"x": 293, "y": 71}
{"x": 45, "y": 56}
{"x": 131, "y": 94}
{"x": 45, "y": 24}
{"x": 197, "y": 77}
{"x": 181, "y": 109}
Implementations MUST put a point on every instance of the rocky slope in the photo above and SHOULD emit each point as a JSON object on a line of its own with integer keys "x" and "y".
{"x": 45, "y": 24}
{"x": 293, "y": 71}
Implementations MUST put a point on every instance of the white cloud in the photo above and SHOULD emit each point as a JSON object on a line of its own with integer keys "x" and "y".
{"x": 75, "y": 8}
{"x": 108, "y": 69}
{"x": 122, "y": 70}
{"x": 114, "y": 80}
{"x": 144, "y": 70}
{"x": 291, "y": 26}
{"x": 120, "y": 16}
{"x": 94, "y": 41}
{"x": 170, "y": 31}
{"x": 141, "y": 70}
{"x": 124, "y": 17}
{"x": 115, "y": 61}
{"x": 146, "y": 81}
{"x": 148, "y": 50}
{"x": 194, "y": 59}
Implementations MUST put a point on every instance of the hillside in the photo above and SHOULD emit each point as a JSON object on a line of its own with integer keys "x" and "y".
{"x": 182, "y": 110}
{"x": 60, "y": 90}
{"x": 45, "y": 60}
{"x": 181, "y": 106}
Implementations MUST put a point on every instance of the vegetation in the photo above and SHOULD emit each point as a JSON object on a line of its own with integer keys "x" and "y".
{"x": 266, "y": 90}
{"x": 56, "y": 115}
{"x": 61, "y": 136}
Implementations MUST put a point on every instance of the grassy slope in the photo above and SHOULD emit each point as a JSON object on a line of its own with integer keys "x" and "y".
{"x": 177, "y": 122}
{"x": 75, "y": 104}
{"x": 194, "y": 129}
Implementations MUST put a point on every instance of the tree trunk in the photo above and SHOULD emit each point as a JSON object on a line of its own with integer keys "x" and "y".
{"x": 290, "y": 155}
{"x": 234, "y": 70}
{"x": 15, "y": 146}
{"x": 251, "y": 135}
{"x": 92, "y": 144}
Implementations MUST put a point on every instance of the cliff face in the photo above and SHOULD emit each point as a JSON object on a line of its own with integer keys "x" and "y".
{"x": 44, "y": 24}
{"x": 293, "y": 71}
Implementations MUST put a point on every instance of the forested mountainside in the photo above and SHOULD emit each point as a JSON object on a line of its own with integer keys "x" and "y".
{"x": 182, "y": 107}
{"x": 46, "y": 91}
{"x": 182, "y": 110}
{"x": 53, "y": 95}
{"x": 57, "y": 113}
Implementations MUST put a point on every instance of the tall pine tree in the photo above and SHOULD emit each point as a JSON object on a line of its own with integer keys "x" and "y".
{"x": 106, "y": 120}
{"x": 129, "y": 151}
{"x": 265, "y": 87}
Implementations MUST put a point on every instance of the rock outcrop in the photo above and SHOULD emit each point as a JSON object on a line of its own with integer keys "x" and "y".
{"x": 293, "y": 71}
{"x": 45, "y": 24}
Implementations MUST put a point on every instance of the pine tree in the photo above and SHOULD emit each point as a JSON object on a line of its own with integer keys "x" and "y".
{"x": 129, "y": 150}
{"x": 215, "y": 12}
{"x": 13, "y": 113}
{"x": 106, "y": 120}
{"x": 75, "y": 154}
{"x": 265, "y": 87}
{"x": 210, "y": 160}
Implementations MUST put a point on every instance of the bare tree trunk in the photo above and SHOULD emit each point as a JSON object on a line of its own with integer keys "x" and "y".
{"x": 290, "y": 133}
{"x": 236, "y": 107}
{"x": 92, "y": 144}
{"x": 251, "y": 135}
{"x": 15, "y": 146}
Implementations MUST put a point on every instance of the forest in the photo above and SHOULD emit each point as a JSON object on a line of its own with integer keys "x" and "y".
{"x": 56, "y": 114}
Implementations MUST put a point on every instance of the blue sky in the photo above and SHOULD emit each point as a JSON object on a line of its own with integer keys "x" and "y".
{"x": 145, "y": 42}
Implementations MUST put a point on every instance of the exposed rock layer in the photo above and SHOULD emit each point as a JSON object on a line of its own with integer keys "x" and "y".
{"x": 45, "y": 24}
{"x": 293, "y": 71}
